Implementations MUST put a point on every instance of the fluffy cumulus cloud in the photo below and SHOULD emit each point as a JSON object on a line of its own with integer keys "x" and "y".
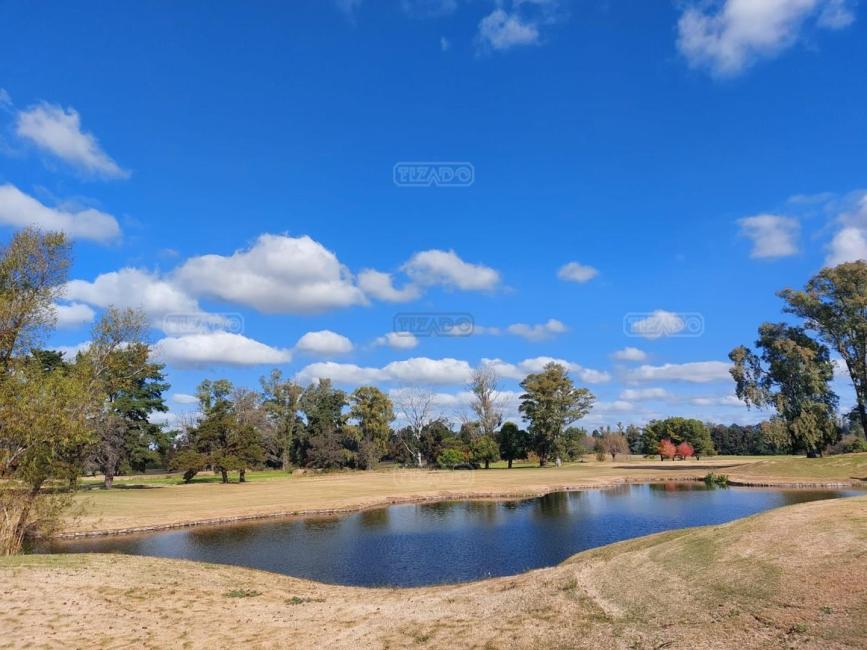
{"x": 57, "y": 131}
{"x": 278, "y": 274}
{"x": 446, "y": 269}
{"x": 379, "y": 285}
{"x": 417, "y": 370}
{"x": 772, "y": 235}
{"x": 397, "y": 340}
{"x": 133, "y": 288}
{"x": 520, "y": 370}
{"x": 576, "y": 272}
{"x": 657, "y": 324}
{"x": 323, "y": 343}
{"x": 217, "y": 348}
{"x": 695, "y": 372}
{"x": 849, "y": 243}
{"x": 540, "y": 332}
{"x": 184, "y": 398}
{"x": 21, "y": 210}
{"x": 629, "y": 354}
{"x": 728, "y": 36}
{"x": 73, "y": 315}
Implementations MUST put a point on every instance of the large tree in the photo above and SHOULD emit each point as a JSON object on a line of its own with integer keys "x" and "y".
{"x": 281, "y": 399}
{"x": 46, "y": 405}
{"x": 415, "y": 405}
{"x": 484, "y": 402}
{"x": 328, "y": 443}
{"x": 792, "y": 374}
{"x": 373, "y": 413}
{"x": 514, "y": 443}
{"x": 131, "y": 384}
{"x": 551, "y": 402}
{"x": 834, "y": 305}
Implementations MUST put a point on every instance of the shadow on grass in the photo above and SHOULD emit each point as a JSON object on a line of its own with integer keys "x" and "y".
{"x": 678, "y": 467}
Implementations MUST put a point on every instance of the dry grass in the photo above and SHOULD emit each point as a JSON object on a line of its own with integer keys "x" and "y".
{"x": 790, "y": 578}
{"x": 165, "y": 505}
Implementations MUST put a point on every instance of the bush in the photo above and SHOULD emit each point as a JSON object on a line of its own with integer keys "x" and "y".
{"x": 849, "y": 444}
{"x": 449, "y": 458}
{"x": 716, "y": 480}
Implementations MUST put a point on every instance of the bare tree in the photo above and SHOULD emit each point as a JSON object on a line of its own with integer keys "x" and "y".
{"x": 414, "y": 404}
{"x": 485, "y": 402}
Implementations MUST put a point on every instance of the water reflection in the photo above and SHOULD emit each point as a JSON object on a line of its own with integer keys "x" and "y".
{"x": 431, "y": 543}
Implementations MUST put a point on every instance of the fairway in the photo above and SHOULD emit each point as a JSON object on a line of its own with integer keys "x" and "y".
{"x": 165, "y": 503}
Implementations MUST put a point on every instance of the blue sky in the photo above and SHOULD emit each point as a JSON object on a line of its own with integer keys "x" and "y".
{"x": 230, "y": 168}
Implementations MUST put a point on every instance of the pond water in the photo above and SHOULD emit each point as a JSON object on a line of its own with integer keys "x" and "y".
{"x": 423, "y": 544}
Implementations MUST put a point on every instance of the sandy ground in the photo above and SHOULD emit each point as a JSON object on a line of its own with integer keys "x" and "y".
{"x": 790, "y": 578}
{"x": 150, "y": 507}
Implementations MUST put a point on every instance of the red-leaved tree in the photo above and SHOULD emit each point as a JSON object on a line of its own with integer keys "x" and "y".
{"x": 666, "y": 449}
{"x": 685, "y": 450}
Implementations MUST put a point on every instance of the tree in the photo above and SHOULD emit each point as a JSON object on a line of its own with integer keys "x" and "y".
{"x": 792, "y": 374}
{"x": 373, "y": 413}
{"x": 666, "y": 449}
{"x": 551, "y": 402}
{"x": 132, "y": 387}
{"x": 327, "y": 443}
{"x": 685, "y": 450}
{"x": 483, "y": 386}
{"x": 614, "y": 443}
{"x": 46, "y": 416}
{"x": 484, "y": 451}
{"x": 415, "y": 405}
{"x": 633, "y": 437}
{"x": 281, "y": 400}
{"x": 33, "y": 268}
{"x": 677, "y": 429}
{"x": 46, "y": 405}
{"x": 834, "y": 305}
{"x": 514, "y": 443}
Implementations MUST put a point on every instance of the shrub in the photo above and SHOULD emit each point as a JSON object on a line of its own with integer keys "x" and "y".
{"x": 716, "y": 480}
{"x": 685, "y": 450}
{"x": 451, "y": 457}
{"x": 849, "y": 444}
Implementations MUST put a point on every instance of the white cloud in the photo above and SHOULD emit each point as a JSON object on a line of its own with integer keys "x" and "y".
{"x": 538, "y": 332}
{"x": 398, "y": 340}
{"x": 58, "y": 131}
{"x": 727, "y": 37}
{"x": 278, "y": 274}
{"x": 850, "y": 242}
{"x": 658, "y": 324}
{"x": 379, "y": 285}
{"x": 501, "y": 30}
{"x": 639, "y": 394}
{"x": 417, "y": 370}
{"x": 537, "y": 364}
{"x": 73, "y": 315}
{"x": 696, "y": 372}
{"x": 630, "y": 354}
{"x": 445, "y": 268}
{"x": 848, "y": 245}
{"x": 217, "y": 348}
{"x": 772, "y": 235}
{"x": 134, "y": 288}
{"x": 341, "y": 373}
{"x": 445, "y": 44}
{"x": 617, "y": 406}
{"x": 324, "y": 343}
{"x": 183, "y": 398}
{"x": 576, "y": 272}
{"x": 21, "y": 210}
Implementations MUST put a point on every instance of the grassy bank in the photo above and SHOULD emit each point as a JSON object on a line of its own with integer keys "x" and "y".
{"x": 155, "y": 501}
{"x": 793, "y": 577}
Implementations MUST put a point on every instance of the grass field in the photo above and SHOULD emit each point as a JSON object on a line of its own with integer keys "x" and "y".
{"x": 154, "y": 501}
{"x": 795, "y": 577}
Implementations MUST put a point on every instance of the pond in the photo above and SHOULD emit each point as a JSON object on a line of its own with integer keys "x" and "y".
{"x": 424, "y": 544}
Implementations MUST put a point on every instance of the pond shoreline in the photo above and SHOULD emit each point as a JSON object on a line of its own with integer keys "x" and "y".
{"x": 442, "y": 497}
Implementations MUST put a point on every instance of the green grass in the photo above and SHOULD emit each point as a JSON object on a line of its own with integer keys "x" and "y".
{"x": 843, "y": 467}
{"x": 174, "y": 478}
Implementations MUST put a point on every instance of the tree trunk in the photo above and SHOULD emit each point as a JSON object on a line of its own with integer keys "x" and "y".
{"x": 862, "y": 412}
{"x": 542, "y": 461}
{"x": 242, "y": 476}
{"x": 224, "y": 473}
{"x": 109, "y": 481}
{"x": 21, "y": 526}
{"x": 510, "y": 463}
{"x": 487, "y": 464}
